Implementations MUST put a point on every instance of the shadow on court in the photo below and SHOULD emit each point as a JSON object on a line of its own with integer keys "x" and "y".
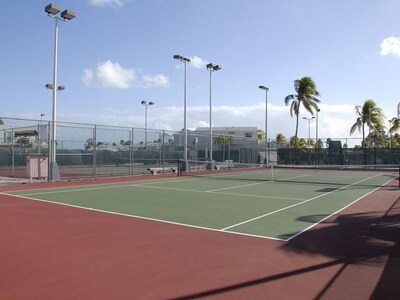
{"x": 351, "y": 239}
{"x": 369, "y": 239}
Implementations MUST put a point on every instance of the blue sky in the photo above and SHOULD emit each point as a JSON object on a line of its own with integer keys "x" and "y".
{"x": 116, "y": 53}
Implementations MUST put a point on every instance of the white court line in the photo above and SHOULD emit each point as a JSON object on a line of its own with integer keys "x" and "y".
{"x": 336, "y": 212}
{"x": 218, "y": 193}
{"x": 257, "y": 183}
{"x": 144, "y": 218}
{"x": 297, "y": 204}
{"x": 80, "y": 188}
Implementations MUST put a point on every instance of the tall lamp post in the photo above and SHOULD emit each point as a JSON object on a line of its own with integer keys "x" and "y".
{"x": 146, "y": 104}
{"x": 390, "y": 134}
{"x": 316, "y": 137}
{"x": 52, "y": 10}
{"x": 309, "y": 137}
{"x": 40, "y": 131}
{"x": 212, "y": 68}
{"x": 266, "y": 159}
{"x": 185, "y": 166}
{"x": 309, "y": 133}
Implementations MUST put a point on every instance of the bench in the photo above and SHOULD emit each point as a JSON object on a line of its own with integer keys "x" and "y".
{"x": 156, "y": 171}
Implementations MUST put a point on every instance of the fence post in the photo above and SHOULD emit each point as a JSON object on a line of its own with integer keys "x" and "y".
{"x": 12, "y": 153}
{"x": 132, "y": 153}
{"x": 94, "y": 152}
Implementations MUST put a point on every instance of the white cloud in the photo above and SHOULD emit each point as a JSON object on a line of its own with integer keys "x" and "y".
{"x": 112, "y": 75}
{"x": 159, "y": 80}
{"x": 102, "y": 3}
{"x": 198, "y": 62}
{"x": 109, "y": 75}
{"x": 390, "y": 45}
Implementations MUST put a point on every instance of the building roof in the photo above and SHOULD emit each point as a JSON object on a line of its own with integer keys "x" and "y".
{"x": 227, "y": 128}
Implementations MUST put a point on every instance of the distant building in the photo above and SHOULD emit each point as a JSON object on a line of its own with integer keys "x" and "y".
{"x": 201, "y": 136}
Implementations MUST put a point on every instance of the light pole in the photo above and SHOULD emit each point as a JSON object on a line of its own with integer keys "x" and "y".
{"x": 146, "y": 104}
{"x": 212, "y": 68}
{"x": 309, "y": 137}
{"x": 390, "y": 134}
{"x": 185, "y": 60}
{"x": 266, "y": 159}
{"x": 52, "y": 10}
{"x": 309, "y": 134}
{"x": 316, "y": 137}
{"x": 40, "y": 131}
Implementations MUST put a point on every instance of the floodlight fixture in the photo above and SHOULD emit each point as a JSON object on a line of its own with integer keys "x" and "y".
{"x": 213, "y": 67}
{"x": 182, "y": 58}
{"x": 49, "y": 86}
{"x": 52, "y": 9}
{"x": 68, "y": 14}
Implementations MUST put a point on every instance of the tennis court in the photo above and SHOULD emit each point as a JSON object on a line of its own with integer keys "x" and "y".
{"x": 252, "y": 232}
{"x": 258, "y": 202}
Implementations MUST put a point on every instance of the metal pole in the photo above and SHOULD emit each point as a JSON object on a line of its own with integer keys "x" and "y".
{"x": 390, "y": 135}
{"x": 185, "y": 158}
{"x": 316, "y": 138}
{"x": 266, "y": 128}
{"x": 54, "y": 172}
{"x": 211, "y": 131}
{"x": 266, "y": 153}
{"x": 145, "y": 126}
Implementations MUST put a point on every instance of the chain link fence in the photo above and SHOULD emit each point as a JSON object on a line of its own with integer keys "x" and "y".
{"x": 92, "y": 151}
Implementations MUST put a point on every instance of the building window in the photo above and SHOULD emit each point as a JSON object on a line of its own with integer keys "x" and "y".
{"x": 248, "y": 134}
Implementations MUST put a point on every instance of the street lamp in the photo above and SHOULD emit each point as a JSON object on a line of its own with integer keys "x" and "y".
{"x": 146, "y": 104}
{"x": 316, "y": 137}
{"x": 40, "y": 131}
{"x": 185, "y": 60}
{"x": 309, "y": 137}
{"x": 266, "y": 159}
{"x": 212, "y": 68}
{"x": 52, "y": 10}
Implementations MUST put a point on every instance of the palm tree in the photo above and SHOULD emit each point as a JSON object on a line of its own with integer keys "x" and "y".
{"x": 395, "y": 122}
{"x": 306, "y": 93}
{"x": 280, "y": 139}
{"x": 368, "y": 114}
{"x": 222, "y": 141}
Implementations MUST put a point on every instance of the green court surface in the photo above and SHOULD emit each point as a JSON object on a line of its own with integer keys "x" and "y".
{"x": 257, "y": 203}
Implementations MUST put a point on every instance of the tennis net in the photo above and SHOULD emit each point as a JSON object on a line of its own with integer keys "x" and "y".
{"x": 339, "y": 175}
